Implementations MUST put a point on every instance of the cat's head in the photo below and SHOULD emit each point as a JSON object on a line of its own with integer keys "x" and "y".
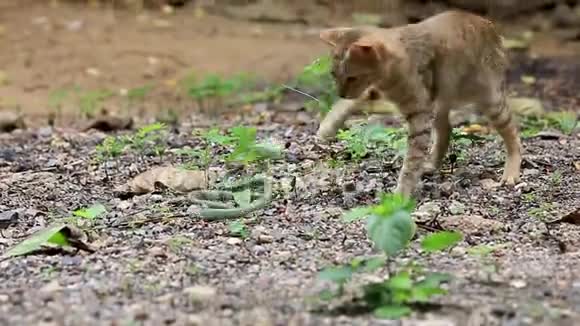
{"x": 358, "y": 59}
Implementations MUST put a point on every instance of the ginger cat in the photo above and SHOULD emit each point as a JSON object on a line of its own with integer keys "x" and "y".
{"x": 446, "y": 61}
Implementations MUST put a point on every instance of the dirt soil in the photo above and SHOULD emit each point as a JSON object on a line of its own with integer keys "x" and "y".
{"x": 153, "y": 266}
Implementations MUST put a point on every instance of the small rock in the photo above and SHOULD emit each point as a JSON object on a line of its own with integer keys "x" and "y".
{"x": 524, "y": 187}
{"x": 157, "y": 252}
{"x": 264, "y": 238}
{"x": 489, "y": 184}
{"x": 166, "y": 298}
{"x": 156, "y": 198}
{"x": 283, "y": 255}
{"x": 531, "y": 172}
{"x": 258, "y": 250}
{"x": 194, "y": 320}
{"x": 139, "y": 312}
{"x": 44, "y": 132}
{"x": 350, "y": 243}
{"x": 4, "y": 298}
{"x": 8, "y": 218}
{"x": 458, "y": 251}
{"x": 518, "y": 284}
{"x": 471, "y": 224}
{"x": 427, "y": 211}
{"x": 233, "y": 241}
{"x": 201, "y": 293}
{"x": 429, "y": 322}
{"x": 124, "y": 205}
{"x": 456, "y": 208}
{"x": 447, "y": 188}
{"x": 50, "y": 288}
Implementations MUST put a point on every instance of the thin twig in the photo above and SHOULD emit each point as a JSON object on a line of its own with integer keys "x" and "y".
{"x": 300, "y": 92}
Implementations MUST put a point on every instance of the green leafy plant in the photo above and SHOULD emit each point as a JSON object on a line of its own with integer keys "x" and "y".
{"x": 360, "y": 140}
{"x": 85, "y": 218}
{"x": 247, "y": 150}
{"x": 110, "y": 149}
{"x": 532, "y": 125}
{"x": 149, "y": 140}
{"x": 316, "y": 76}
{"x": 216, "y": 88}
{"x": 238, "y": 228}
{"x": 202, "y": 156}
{"x": 391, "y": 228}
{"x": 565, "y": 121}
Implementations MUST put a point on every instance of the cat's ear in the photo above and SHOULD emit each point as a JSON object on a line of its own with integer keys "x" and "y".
{"x": 333, "y": 35}
{"x": 369, "y": 50}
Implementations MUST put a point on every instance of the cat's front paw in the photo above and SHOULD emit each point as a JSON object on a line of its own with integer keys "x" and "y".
{"x": 509, "y": 179}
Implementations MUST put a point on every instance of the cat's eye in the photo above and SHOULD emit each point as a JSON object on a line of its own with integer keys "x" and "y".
{"x": 350, "y": 79}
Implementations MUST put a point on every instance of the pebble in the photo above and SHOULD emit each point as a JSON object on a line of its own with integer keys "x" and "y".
{"x": 258, "y": 250}
{"x": 456, "y": 208}
{"x": 157, "y": 252}
{"x": 200, "y": 293}
{"x": 350, "y": 243}
{"x": 264, "y": 238}
{"x": 531, "y": 172}
{"x": 518, "y": 284}
{"x": 233, "y": 241}
{"x": 489, "y": 184}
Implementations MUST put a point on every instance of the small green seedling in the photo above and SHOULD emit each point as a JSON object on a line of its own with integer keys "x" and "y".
{"x": 565, "y": 121}
{"x": 110, "y": 149}
{"x": 362, "y": 140}
{"x": 391, "y": 228}
{"x": 149, "y": 140}
{"x": 238, "y": 228}
{"x": 317, "y": 76}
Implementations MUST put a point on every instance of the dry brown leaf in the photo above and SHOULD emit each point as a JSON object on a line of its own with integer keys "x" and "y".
{"x": 177, "y": 179}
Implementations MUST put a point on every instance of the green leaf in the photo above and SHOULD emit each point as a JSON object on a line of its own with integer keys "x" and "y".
{"x": 392, "y": 312}
{"x": 338, "y": 274}
{"x": 356, "y": 214}
{"x": 92, "y": 212}
{"x": 327, "y": 295}
{"x": 373, "y": 264}
{"x": 440, "y": 240}
{"x": 434, "y": 279}
{"x": 424, "y": 293}
{"x": 268, "y": 151}
{"x": 215, "y": 137}
{"x": 51, "y": 234}
{"x": 401, "y": 281}
{"x": 238, "y": 228}
{"x": 392, "y": 203}
{"x": 391, "y": 234}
